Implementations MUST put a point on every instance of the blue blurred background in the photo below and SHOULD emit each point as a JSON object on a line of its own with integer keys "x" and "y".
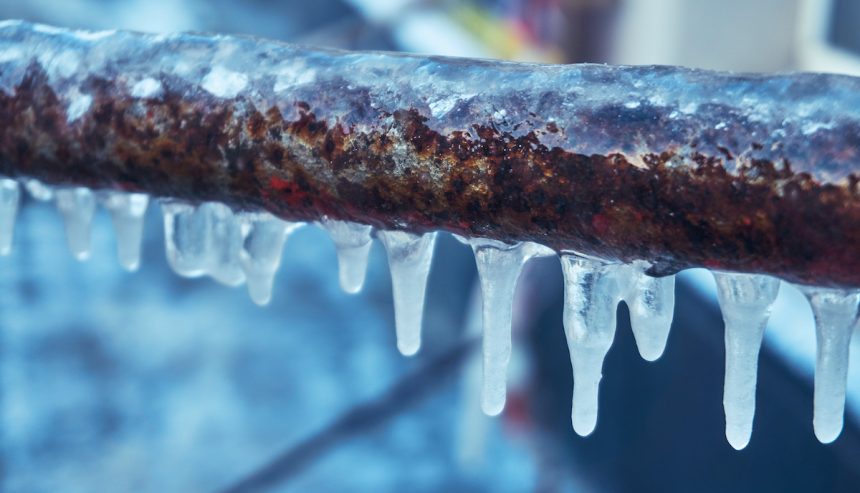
{"x": 112, "y": 381}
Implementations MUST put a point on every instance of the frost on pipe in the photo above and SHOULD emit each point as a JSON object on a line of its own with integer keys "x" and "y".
{"x": 632, "y": 173}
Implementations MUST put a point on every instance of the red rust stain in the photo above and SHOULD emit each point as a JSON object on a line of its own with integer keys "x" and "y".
{"x": 287, "y": 191}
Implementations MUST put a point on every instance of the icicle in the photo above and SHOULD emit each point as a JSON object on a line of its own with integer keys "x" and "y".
{"x": 746, "y": 301}
{"x": 38, "y": 190}
{"x": 651, "y": 301}
{"x": 10, "y": 196}
{"x": 127, "y": 211}
{"x": 352, "y": 241}
{"x": 225, "y": 243}
{"x": 591, "y": 295}
{"x": 264, "y": 237}
{"x": 499, "y": 267}
{"x": 835, "y": 314}
{"x": 77, "y": 206}
{"x": 409, "y": 258}
{"x": 186, "y": 238}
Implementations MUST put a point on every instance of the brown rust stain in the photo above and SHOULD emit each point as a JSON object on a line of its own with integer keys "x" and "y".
{"x": 760, "y": 217}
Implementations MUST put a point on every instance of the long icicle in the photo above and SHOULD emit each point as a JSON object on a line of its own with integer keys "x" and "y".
{"x": 409, "y": 258}
{"x": 746, "y": 301}
{"x": 591, "y": 296}
{"x": 499, "y": 267}
{"x": 835, "y": 313}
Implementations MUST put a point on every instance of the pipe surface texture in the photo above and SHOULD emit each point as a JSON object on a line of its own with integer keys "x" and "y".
{"x": 679, "y": 167}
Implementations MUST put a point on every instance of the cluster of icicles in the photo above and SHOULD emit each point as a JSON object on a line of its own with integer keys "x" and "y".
{"x": 235, "y": 248}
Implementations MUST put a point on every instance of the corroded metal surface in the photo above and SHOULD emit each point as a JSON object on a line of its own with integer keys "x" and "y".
{"x": 679, "y": 167}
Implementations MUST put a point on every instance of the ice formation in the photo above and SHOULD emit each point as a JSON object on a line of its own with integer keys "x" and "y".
{"x": 835, "y": 313}
{"x": 236, "y": 247}
{"x": 746, "y": 301}
{"x": 352, "y": 241}
{"x": 409, "y": 257}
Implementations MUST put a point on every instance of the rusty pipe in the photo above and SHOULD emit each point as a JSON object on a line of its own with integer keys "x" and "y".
{"x": 679, "y": 167}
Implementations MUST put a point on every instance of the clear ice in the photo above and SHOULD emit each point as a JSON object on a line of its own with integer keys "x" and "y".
{"x": 409, "y": 258}
{"x": 203, "y": 239}
{"x": 234, "y": 248}
{"x": 77, "y": 206}
{"x": 499, "y": 266}
{"x": 263, "y": 236}
{"x": 127, "y": 212}
{"x": 746, "y": 301}
{"x": 353, "y": 242}
{"x": 10, "y": 197}
{"x": 591, "y": 295}
{"x": 835, "y": 313}
{"x": 651, "y": 302}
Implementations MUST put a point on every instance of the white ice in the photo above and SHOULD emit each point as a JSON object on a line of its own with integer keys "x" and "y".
{"x": 263, "y": 241}
{"x": 835, "y": 313}
{"x": 225, "y": 243}
{"x": 651, "y": 301}
{"x": 127, "y": 212}
{"x": 38, "y": 190}
{"x": 499, "y": 266}
{"x": 746, "y": 301}
{"x": 591, "y": 295}
{"x": 409, "y": 258}
{"x": 10, "y": 196}
{"x": 353, "y": 242}
{"x": 77, "y": 206}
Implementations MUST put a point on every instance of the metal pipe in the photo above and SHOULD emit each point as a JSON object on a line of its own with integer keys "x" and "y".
{"x": 679, "y": 167}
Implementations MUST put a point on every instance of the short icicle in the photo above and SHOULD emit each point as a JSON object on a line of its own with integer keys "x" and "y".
{"x": 353, "y": 242}
{"x": 186, "y": 238}
{"x": 835, "y": 314}
{"x": 38, "y": 190}
{"x": 746, "y": 301}
{"x": 225, "y": 244}
{"x": 77, "y": 206}
{"x": 10, "y": 197}
{"x": 591, "y": 296}
{"x": 264, "y": 236}
{"x": 499, "y": 266}
{"x": 127, "y": 212}
{"x": 409, "y": 258}
{"x": 651, "y": 301}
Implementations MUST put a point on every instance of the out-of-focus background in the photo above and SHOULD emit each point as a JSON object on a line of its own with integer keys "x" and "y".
{"x": 143, "y": 382}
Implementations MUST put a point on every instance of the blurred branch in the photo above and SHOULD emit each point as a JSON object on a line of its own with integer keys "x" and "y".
{"x": 406, "y": 393}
